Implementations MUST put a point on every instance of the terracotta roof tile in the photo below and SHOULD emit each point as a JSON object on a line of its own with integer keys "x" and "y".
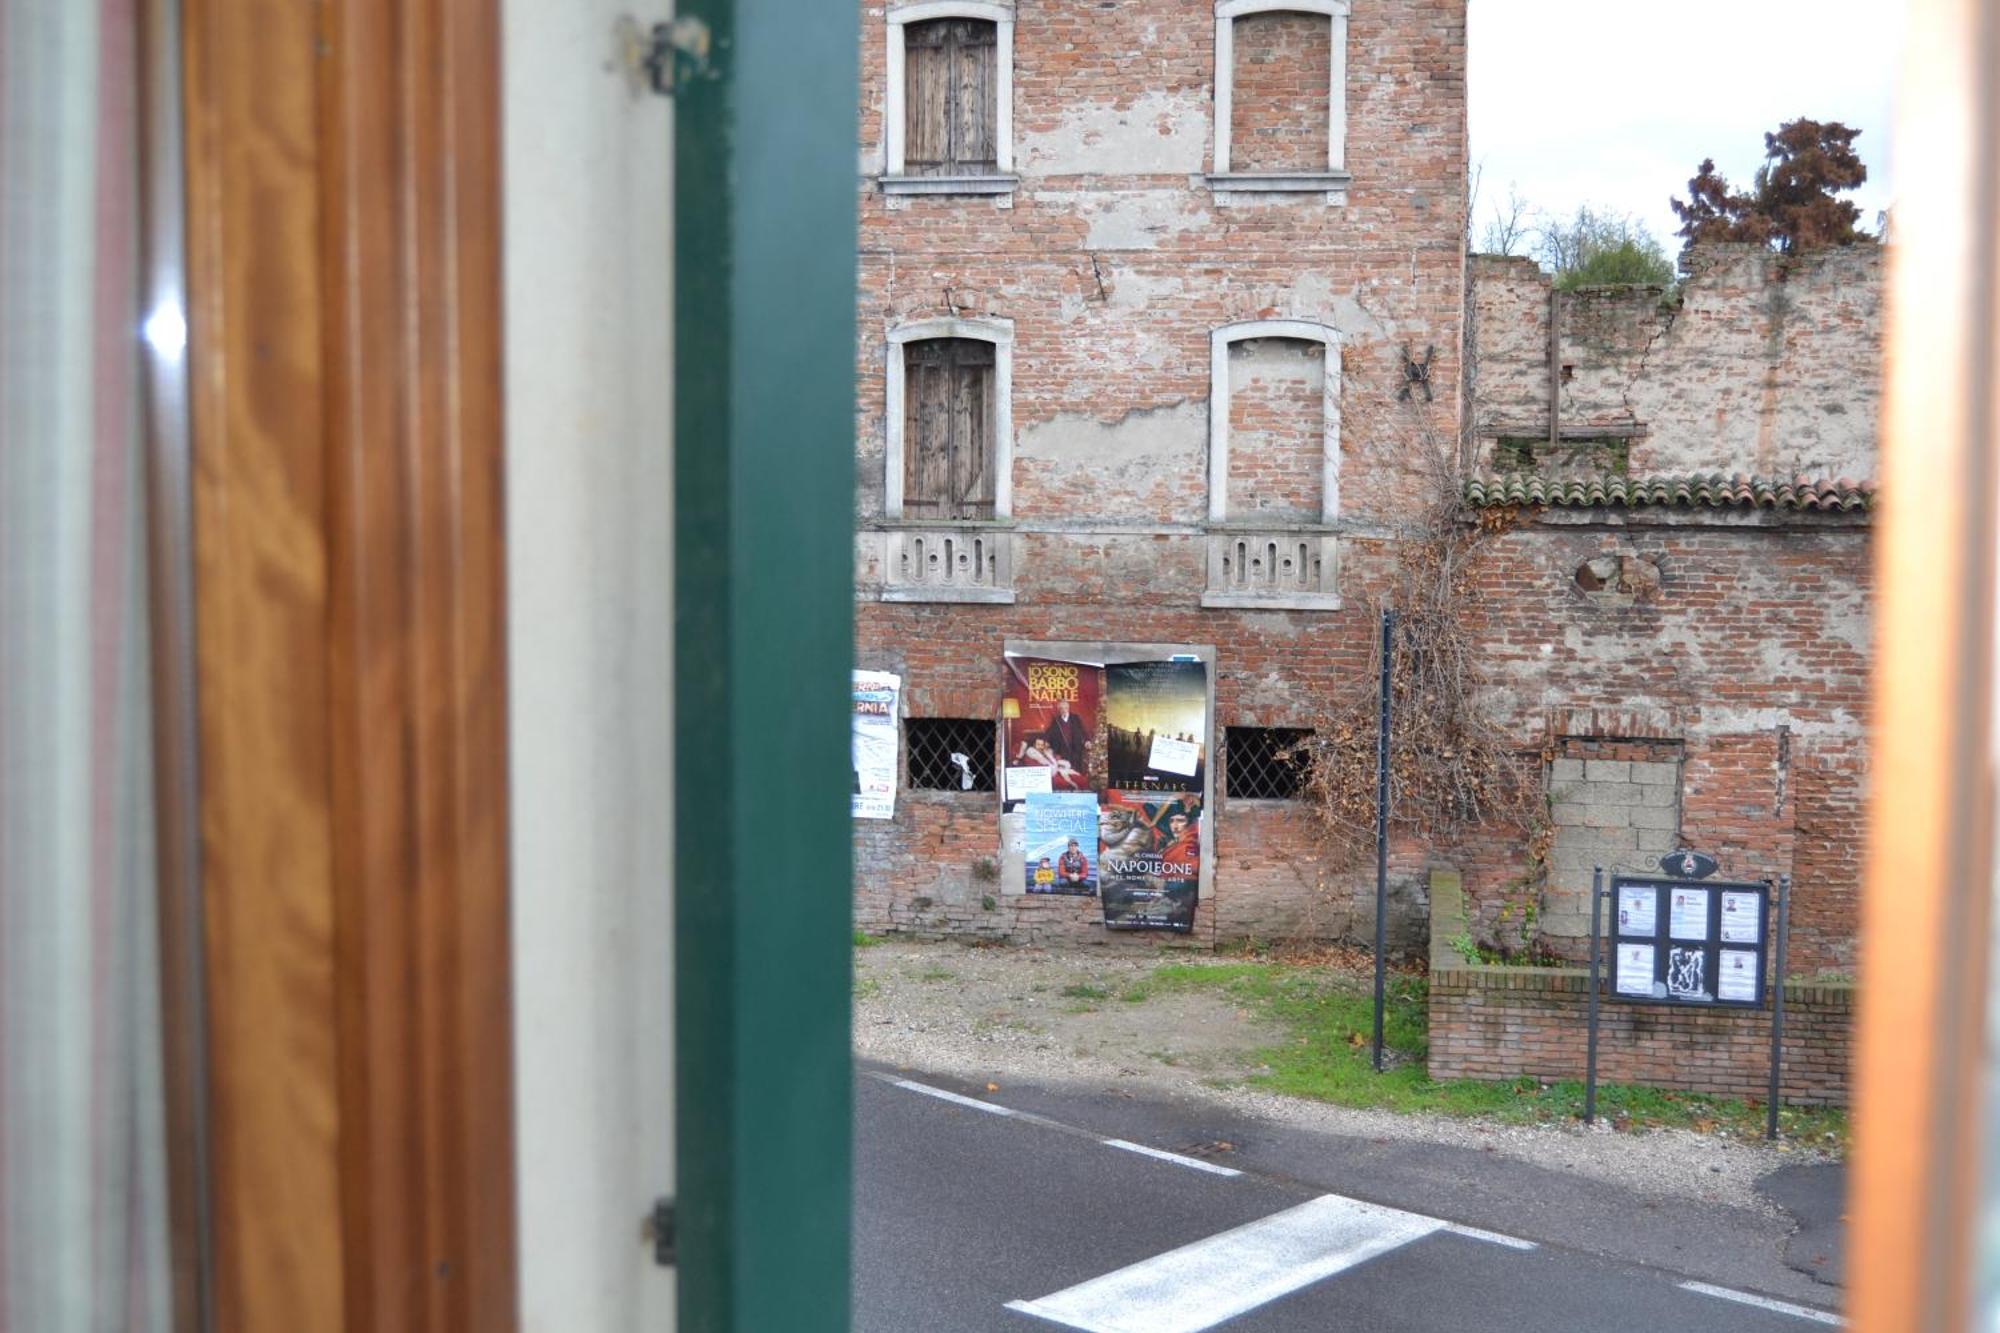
{"x": 1710, "y": 491}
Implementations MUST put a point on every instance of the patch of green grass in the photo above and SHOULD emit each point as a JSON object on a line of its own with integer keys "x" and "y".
{"x": 1327, "y": 1054}
{"x": 866, "y": 988}
{"x": 935, "y": 973}
{"x": 863, "y": 940}
{"x": 1083, "y": 990}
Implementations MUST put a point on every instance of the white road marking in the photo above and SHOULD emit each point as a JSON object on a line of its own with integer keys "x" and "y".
{"x": 1490, "y": 1237}
{"x": 1173, "y": 1157}
{"x": 942, "y": 1095}
{"x": 1198, "y": 1286}
{"x": 1766, "y": 1303}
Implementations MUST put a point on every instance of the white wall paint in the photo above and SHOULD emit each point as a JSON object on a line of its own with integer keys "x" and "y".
{"x": 588, "y": 302}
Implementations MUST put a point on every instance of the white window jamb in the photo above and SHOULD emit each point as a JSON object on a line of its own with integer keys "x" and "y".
{"x": 1220, "y": 341}
{"x": 895, "y": 111}
{"x": 1000, "y": 333}
{"x": 1226, "y": 14}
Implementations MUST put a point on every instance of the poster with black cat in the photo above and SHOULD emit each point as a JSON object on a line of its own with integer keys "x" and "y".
{"x": 1156, "y": 715}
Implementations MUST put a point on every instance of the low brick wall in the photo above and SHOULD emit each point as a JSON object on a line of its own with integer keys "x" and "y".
{"x": 1498, "y": 1023}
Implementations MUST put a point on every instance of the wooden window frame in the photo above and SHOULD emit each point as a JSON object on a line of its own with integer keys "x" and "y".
{"x": 1334, "y": 178}
{"x": 895, "y": 110}
{"x": 998, "y": 332}
{"x": 961, "y": 360}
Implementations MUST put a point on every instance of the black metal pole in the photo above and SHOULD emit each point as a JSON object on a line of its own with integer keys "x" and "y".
{"x": 1590, "y": 1044}
{"x": 1778, "y": 1005}
{"x": 1382, "y": 832}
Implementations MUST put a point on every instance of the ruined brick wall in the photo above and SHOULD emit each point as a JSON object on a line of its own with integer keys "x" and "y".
{"x": 1741, "y": 655}
{"x": 1759, "y": 364}
{"x": 1114, "y": 260}
{"x": 1276, "y": 408}
{"x": 1506, "y": 1023}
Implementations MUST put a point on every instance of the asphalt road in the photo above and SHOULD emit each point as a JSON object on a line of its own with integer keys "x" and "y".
{"x": 1016, "y": 1213}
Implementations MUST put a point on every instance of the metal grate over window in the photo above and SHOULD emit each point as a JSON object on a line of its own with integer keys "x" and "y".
{"x": 933, "y": 743}
{"x": 1260, "y": 764}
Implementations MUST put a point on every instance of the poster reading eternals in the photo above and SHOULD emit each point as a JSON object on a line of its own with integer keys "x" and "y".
{"x": 874, "y": 750}
{"x": 1156, "y": 716}
{"x": 1150, "y": 872}
{"x": 1049, "y": 716}
{"x": 1060, "y": 844}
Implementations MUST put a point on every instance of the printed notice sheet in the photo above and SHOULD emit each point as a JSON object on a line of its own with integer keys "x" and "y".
{"x": 1024, "y": 781}
{"x": 1638, "y": 911}
{"x": 1687, "y": 914}
{"x": 1739, "y": 974}
{"x": 1635, "y": 969}
{"x": 1174, "y": 756}
{"x": 1742, "y": 923}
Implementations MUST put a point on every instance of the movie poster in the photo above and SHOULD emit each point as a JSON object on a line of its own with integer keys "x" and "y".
{"x": 1149, "y": 871}
{"x": 1048, "y": 732}
{"x": 874, "y": 750}
{"x": 1157, "y": 723}
{"x": 1059, "y": 849}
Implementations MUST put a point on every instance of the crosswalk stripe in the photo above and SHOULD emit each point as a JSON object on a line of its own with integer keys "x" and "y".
{"x": 1198, "y": 1286}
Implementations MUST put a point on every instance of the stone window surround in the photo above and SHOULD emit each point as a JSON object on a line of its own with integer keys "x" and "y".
{"x": 895, "y": 114}
{"x": 1334, "y": 179}
{"x": 1220, "y": 341}
{"x": 1000, "y": 333}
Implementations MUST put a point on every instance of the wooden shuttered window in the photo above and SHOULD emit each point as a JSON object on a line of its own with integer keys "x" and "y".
{"x": 951, "y": 97}
{"x": 948, "y": 432}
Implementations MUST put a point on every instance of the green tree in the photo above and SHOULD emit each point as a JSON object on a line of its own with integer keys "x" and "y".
{"x": 1597, "y": 248}
{"x": 1792, "y": 204}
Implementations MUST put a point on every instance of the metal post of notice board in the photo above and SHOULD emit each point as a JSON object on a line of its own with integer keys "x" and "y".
{"x": 1778, "y": 1005}
{"x": 1590, "y": 1056}
{"x": 1382, "y": 831}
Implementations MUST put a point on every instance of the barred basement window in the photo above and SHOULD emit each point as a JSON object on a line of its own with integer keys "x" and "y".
{"x": 1259, "y": 763}
{"x": 936, "y": 747}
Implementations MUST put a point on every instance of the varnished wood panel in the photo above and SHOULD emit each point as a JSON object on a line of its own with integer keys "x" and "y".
{"x": 351, "y": 676}
{"x": 258, "y": 390}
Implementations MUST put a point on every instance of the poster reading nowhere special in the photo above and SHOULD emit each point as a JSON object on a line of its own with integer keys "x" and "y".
{"x": 1150, "y": 872}
{"x": 874, "y": 751}
{"x": 1060, "y": 845}
{"x": 1048, "y": 713}
{"x": 1157, "y": 719}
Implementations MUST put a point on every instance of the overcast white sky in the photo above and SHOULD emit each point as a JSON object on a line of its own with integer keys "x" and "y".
{"x": 1614, "y": 103}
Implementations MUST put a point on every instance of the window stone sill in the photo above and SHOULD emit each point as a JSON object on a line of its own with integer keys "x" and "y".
{"x": 1250, "y": 601}
{"x": 1333, "y": 184}
{"x": 908, "y": 592}
{"x": 959, "y": 185}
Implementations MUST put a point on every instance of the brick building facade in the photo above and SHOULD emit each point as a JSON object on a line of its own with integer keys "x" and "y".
{"x": 1127, "y": 264}
{"x": 1164, "y": 309}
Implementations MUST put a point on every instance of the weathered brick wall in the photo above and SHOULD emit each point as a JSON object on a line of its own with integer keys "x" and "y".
{"x": 1760, "y": 364}
{"x": 1279, "y": 108}
{"x": 1115, "y": 261}
{"x": 1746, "y": 651}
{"x": 1276, "y": 429}
{"x": 1494, "y": 1023}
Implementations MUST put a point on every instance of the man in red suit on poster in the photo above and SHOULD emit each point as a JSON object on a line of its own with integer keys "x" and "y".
{"x": 1069, "y": 737}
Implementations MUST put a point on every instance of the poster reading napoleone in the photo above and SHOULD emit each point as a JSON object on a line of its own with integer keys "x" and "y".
{"x": 1049, "y": 716}
{"x": 1156, "y": 715}
{"x": 874, "y": 749}
{"x": 1149, "y": 872}
{"x": 1060, "y": 842}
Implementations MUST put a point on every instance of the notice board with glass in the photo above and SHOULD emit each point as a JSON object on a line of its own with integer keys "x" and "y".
{"x": 1687, "y": 942}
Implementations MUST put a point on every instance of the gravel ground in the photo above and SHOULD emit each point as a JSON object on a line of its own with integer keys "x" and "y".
{"x": 1052, "y": 1017}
